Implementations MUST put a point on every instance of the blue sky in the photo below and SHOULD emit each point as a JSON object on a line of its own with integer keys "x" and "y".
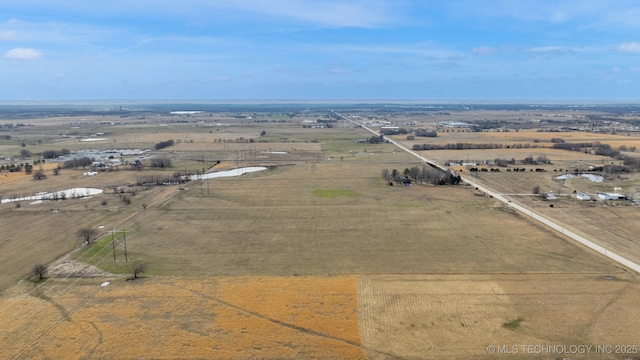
{"x": 319, "y": 49}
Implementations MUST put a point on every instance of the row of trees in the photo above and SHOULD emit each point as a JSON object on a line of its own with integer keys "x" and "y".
{"x": 54, "y": 154}
{"x": 426, "y": 174}
{"x": 630, "y": 163}
{"x": 160, "y": 162}
{"x": 529, "y": 160}
{"x": 163, "y": 144}
{"x": 471, "y": 146}
{"x": 426, "y": 133}
{"x": 178, "y": 177}
{"x": 76, "y": 163}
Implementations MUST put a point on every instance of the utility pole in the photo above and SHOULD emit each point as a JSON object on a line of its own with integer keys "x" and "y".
{"x": 124, "y": 234}
{"x": 113, "y": 243}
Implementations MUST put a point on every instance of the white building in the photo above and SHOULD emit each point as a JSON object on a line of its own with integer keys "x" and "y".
{"x": 582, "y": 196}
{"x": 611, "y": 196}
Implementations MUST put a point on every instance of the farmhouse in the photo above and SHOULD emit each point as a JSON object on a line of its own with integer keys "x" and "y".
{"x": 611, "y": 196}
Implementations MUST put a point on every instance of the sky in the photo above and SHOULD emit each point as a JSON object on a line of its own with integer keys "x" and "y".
{"x": 319, "y": 49}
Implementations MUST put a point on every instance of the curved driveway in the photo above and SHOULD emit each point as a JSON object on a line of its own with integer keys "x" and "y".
{"x": 524, "y": 210}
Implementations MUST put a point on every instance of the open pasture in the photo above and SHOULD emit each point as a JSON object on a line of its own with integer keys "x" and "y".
{"x": 275, "y": 223}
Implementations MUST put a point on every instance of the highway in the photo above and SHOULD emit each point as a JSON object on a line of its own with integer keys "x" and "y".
{"x": 628, "y": 264}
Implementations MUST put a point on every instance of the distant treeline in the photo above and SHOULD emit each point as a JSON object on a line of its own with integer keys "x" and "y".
{"x": 470, "y": 146}
{"x": 598, "y": 148}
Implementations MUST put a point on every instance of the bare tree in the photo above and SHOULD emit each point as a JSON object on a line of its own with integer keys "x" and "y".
{"x": 536, "y": 190}
{"x": 137, "y": 268}
{"x": 87, "y": 234}
{"x": 39, "y": 175}
{"x": 39, "y": 271}
{"x": 386, "y": 174}
{"x": 24, "y": 153}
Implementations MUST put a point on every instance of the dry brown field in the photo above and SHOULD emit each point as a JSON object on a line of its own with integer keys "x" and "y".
{"x": 183, "y": 318}
{"x": 356, "y": 317}
{"x": 463, "y": 316}
{"x": 314, "y": 258}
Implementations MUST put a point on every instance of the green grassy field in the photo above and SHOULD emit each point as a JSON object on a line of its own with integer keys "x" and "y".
{"x": 340, "y": 218}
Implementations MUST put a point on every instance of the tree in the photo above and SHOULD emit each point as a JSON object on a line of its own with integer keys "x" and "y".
{"x": 386, "y": 174}
{"x": 87, "y": 234}
{"x": 394, "y": 174}
{"x": 414, "y": 173}
{"x": 161, "y": 162}
{"x": 39, "y": 271}
{"x": 39, "y": 175}
{"x": 24, "y": 153}
{"x": 137, "y": 268}
{"x": 263, "y": 133}
{"x": 536, "y": 190}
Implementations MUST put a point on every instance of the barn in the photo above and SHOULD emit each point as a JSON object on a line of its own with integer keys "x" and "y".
{"x": 611, "y": 196}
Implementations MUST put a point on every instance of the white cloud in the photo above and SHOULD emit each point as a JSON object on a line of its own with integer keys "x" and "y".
{"x": 337, "y": 71}
{"x": 629, "y": 47}
{"x": 9, "y": 35}
{"x": 359, "y": 13}
{"x": 324, "y": 13}
{"x": 426, "y": 49}
{"x": 22, "y": 54}
{"x": 484, "y": 50}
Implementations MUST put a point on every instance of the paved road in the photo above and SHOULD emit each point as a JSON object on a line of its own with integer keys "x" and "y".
{"x": 628, "y": 264}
